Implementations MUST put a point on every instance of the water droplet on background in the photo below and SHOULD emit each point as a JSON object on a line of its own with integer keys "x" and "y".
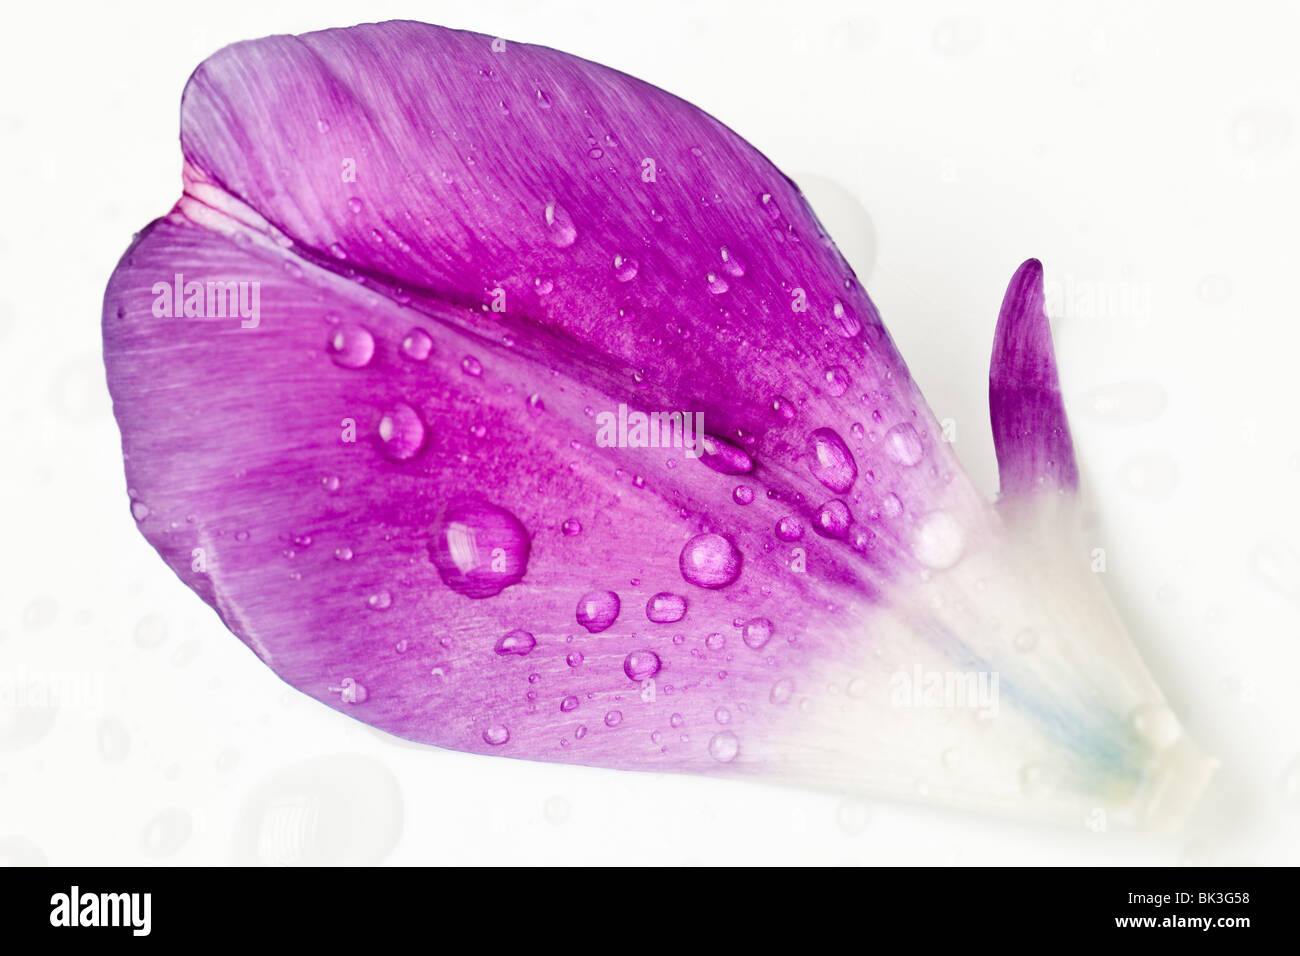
{"x": 338, "y": 810}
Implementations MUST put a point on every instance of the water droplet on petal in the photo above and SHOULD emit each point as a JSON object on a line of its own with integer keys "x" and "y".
{"x": 571, "y": 527}
{"x": 830, "y": 460}
{"x": 569, "y": 704}
{"x": 625, "y": 268}
{"x": 709, "y": 561}
{"x": 850, "y": 324}
{"x": 789, "y": 528}
{"x": 903, "y": 444}
{"x": 479, "y": 549}
{"x": 781, "y": 691}
{"x": 891, "y": 506}
{"x": 598, "y": 610}
{"x": 837, "y": 380}
{"x": 716, "y": 283}
{"x": 350, "y": 345}
{"x": 666, "y": 608}
{"x": 517, "y": 642}
{"x": 471, "y": 366}
{"x": 833, "y": 519}
{"x": 742, "y": 495}
{"x": 613, "y": 718}
{"x": 381, "y": 600}
{"x": 417, "y": 345}
{"x": 401, "y": 432}
{"x": 724, "y": 747}
{"x": 724, "y": 457}
{"x": 560, "y": 229}
{"x": 641, "y": 665}
{"x": 938, "y": 540}
{"x": 496, "y": 735}
{"x": 731, "y": 263}
{"x": 757, "y": 633}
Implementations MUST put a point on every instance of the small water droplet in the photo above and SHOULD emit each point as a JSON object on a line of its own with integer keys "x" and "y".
{"x": 417, "y": 345}
{"x": 381, "y": 600}
{"x": 471, "y": 366}
{"x": 833, "y": 519}
{"x": 716, "y": 283}
{"x": 903, "y": 444}
{"x": 724, "y": 457}
{"x": 709, "y": 561}
{"x": 479, "y": 549}
{"x": 625, "y": 268}
{"x": 560, "y": 229}
{"x": 666, "y": 608}
{"x": 724, "y": 747}
{"x": 742, "y": 495}
{"x": 781, "y": 691}
{"x": 757, "y": 633}
{"x": 732, "y": 264}
{"x": 517, "y": 642}
{"x": 496, "y": 735}
{"x": 938, "y": 541}
{"x": 613, "y": 718}
{"x": 837, "y": 380}
{"x": 401, "y": 432}
{"x": 641, "y": 665}
{"x": 850, "y": 325}
{"x": 830, "y": 460}
{"x": 350, "y": 345}
{"x": 598, "y": 610}
{"x": 789, "y": 528}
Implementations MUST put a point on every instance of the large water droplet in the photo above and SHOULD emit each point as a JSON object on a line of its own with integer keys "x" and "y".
{"x": 479, "y": 549}
{"x": 560, "y": 229}
{"x": 724, "y": 747}
{"x": 666, "y": 608}
{"x": 709, "y": 561}
{"x": 401, "y": 432}
{"x": 516, "y": 642}
{"x": 903, "y": 444}
{"x": 641, "y": 665}
{"x": 598, "y": 610}
{"x": 938, "y": 540}
{"x": 830, "y": 460}
{"x": 350, "y": 345}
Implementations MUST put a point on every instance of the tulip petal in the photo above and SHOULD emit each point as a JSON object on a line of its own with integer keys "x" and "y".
{"x": 1030, "y": 431}
{"x": 460, "y": 277}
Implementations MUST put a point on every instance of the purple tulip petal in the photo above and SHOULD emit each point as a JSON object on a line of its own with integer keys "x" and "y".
{"x": 464, "y": 275}
{"x": 1030, "y": 431}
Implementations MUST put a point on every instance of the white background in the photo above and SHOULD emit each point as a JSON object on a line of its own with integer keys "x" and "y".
{"x": 1147, "y": 153}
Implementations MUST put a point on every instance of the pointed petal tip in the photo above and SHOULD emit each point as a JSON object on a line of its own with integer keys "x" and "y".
{"x": 1030, "y": 430}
